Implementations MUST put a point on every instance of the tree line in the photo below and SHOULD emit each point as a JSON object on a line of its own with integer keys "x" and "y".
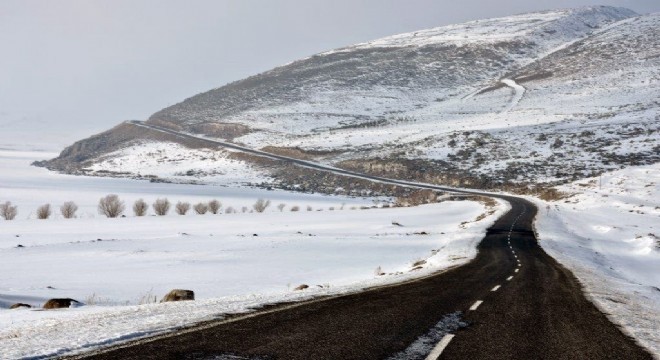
{"x": 112, "y": 206}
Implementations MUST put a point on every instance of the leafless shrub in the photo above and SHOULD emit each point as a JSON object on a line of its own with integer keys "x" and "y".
{"x": 8, "y": 211}
{"x": 111, "y": 206}
{"x": 309, "y": 208}
{"x": 148, "y": 298}
{"x": 140, "y": 208}
{"x": 214, "y": 206}
{"x": 295, "y": 208}
{"x": 201, "y": 208}
{"x": 68, "y": 209}
{"x": 230, "y": 210}
{"x": 379, "y": 271}
{"x": 261, "y": 205}
{"x": 182, "y": 207}
{"x": 331, "y": 208}
{"x": 44, "y": 212}
{"x": 280, "y": 207}
{"x": 244, "y": 209}
{"x": 161, "y": 206}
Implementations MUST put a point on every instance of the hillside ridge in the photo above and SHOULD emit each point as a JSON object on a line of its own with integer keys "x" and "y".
{"x": 430, "y": 105}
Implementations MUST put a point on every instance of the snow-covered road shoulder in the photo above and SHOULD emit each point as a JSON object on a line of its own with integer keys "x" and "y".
{"x": 608, "y": 234}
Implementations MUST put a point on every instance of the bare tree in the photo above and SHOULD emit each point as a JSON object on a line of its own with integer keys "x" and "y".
{"x": 309, "y": 208}
{"x": 295, "y": 208}
{"x": 230, "y": 210}
{"x": 182, "y": 207}
{"x": 261, "y": 205}
{"x": 201, "y": 208}
{"x": 140, "y": 207}
{"x": 68, "y": 209}
{"x": 44, "y": 212}
{"x": 214, "y": 206}
{"x": 244, "y": 209}
{"x": 111, "y": 206}
{"x": 161, "y": 206}
{"x": 280, "y": 207}
{"x": 8, "y": 211}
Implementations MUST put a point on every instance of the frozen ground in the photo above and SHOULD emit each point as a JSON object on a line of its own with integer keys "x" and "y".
{"x": 114, "y": 265}
{"x": 608, "y": 234}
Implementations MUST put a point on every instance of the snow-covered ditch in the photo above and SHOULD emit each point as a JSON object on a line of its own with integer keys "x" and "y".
{"x": 233, "y": 262}
{"x": 608, "y": 234}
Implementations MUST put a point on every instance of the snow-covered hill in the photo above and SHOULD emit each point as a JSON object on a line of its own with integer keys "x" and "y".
{"x": 534, "y": 98}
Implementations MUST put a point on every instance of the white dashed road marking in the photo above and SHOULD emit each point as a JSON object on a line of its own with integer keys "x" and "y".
{"x": 496, "y": 288}
{"x": 438, "y": 349}
{"x": 476, "y": 305}
{"x": 516, "y": 270}
{"x": 509, "y": 278}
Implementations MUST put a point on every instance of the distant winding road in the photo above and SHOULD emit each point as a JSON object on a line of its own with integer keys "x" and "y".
{"x": 513, "y": 301}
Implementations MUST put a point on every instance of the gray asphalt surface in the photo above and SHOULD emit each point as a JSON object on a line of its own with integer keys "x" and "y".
{"x": 532, "y": 308}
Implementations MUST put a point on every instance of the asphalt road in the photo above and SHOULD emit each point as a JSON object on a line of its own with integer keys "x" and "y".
{"x": 513, "y": 301}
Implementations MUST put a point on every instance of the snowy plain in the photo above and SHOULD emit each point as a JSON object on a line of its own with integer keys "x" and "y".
{"x": 608, "y": 234}
{"x": 233, "y": 262}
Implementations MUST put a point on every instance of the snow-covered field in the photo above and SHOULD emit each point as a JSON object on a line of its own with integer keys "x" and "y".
{"x": 608, "y": 234}
{"x": 233, "y": 262}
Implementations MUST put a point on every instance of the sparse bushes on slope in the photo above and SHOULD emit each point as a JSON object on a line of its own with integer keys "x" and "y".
{"x": 161, "y": 206}
{"x": 68, "y": 209}
{"x": 140, "y": 208}
{"x": 8, "y": 211}
{"x": 182, "y": 208}
{"x": 280, "y": 207}
{"x": 417, "y": 197}
{"x": 111, "y": 206}
{"x": 44, "y": 212}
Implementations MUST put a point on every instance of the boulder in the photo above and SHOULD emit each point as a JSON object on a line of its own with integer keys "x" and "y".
{"x": 60, "y": 303}
{"x": 20, "y": 305}
{"x": 179, "y": 295}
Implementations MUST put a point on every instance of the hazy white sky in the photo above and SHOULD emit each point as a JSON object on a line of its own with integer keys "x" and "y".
{"x": 70, "y": 68}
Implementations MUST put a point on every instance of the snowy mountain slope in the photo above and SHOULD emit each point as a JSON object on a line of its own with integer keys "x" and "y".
{"x": 585, "y": 108}
{"x": 446, "y": 103}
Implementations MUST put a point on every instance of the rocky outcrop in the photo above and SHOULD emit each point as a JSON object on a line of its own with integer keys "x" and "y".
{"x": 60, "y": 303}
{"x": 20, "y": 306}
{"x": 179, "y": 295}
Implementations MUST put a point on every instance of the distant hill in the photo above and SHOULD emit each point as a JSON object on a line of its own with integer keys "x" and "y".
{"x": 513, "y": 102}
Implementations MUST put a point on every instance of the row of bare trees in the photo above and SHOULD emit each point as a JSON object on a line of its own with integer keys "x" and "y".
{"x": 112, "y": 206}
{"x": 68, "y": 210}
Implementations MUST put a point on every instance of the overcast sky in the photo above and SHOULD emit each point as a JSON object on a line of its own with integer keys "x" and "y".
{"x": 71, "y": 68}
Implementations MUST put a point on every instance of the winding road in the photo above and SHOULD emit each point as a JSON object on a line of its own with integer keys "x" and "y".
{"x": 513, "y": 301}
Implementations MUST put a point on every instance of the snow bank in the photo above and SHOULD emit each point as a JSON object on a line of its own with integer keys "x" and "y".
{"x": 608, "y": 234}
